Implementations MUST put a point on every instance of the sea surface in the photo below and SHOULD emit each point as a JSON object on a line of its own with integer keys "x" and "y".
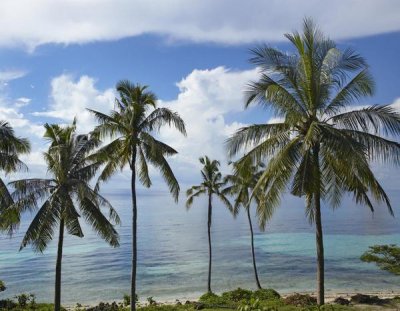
{"x": 173, "y": 252}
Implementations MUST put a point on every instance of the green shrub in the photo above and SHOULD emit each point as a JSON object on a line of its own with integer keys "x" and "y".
{"x": 126, "y": 300}
{"x": 23, "y": 299}
{"x": 2, "y": 286}
{"x": 151, "y": 301}
{"x": 237, "y": 295}
{"x": 213, "y": 299}
{"x": 266, "y": 294}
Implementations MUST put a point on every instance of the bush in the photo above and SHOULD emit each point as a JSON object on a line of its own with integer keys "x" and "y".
{"x": 266, "y": 294}
{"x": 126, "y": 300}
{"x": 237, "y": 295}
{"x": 23, "y": 299}
{"x": 7, "y": 304}
{"x": 300, "y": 300}
{"x": 213, "y": 299}
{"x": 2, "y": 286}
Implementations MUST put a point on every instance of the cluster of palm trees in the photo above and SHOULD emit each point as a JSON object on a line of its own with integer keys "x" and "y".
{"x": 319, "y": 150}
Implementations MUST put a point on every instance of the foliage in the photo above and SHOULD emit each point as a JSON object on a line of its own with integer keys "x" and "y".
{"x": 237, "y": 295}
{"x": 212, "y": 183}
{"x": 320, "y": 147}
{"x": 22, "y": 299}
{"x": 213, "y": 299}
{"x": 67, "y": 191}
{"x": 130, "y": 126}
{"x": 11, "y": 147}
{"x": 386, "y": 257}
{"x": 2, "y": 286}
{"x": 151, "y": 301}
{"x": 265, "y": 294}
{"x": 126, "y": 300}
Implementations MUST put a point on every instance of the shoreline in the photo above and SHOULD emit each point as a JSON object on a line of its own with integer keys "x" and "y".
{"x": 329, "y": 298}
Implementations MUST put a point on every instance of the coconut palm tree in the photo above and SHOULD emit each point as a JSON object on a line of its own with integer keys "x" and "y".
{"x": 211, "y": 186}
{"x": 130, "y": 127}
{"x": 322, "y": 146}
{"x": 64, "y": 197}
{"x": 11, "y": 147}
{"x": 241, "y": 185}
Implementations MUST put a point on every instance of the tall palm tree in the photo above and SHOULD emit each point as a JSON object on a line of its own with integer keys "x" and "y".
{"x": 64, "y": 197}
{"x": 130, "y": 127}
{"x": 11, "y": 147}
{"x": 212, "y": 185}
{"x": 322, "y": 146}
{"x": 241, "y": 184}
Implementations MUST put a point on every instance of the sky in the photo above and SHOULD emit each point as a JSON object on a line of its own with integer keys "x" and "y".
{"x": 59, "y": 57}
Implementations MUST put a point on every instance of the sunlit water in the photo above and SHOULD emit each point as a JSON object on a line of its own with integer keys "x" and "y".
{"x": 173, "y": 253}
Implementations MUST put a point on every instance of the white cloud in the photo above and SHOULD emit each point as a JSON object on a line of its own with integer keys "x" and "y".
{"x": 8, "y": 75}
{"x": 224, "y": 21}
{"x": 70, "y": 98}
{"x": 205, "y": 98}
{"x": 22, "y": 101}
{"x": 396, "y": 104}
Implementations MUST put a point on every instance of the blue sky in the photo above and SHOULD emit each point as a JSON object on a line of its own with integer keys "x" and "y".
{"x": 59, "y": 57}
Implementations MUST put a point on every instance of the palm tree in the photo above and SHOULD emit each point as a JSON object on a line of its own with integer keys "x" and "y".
{"x": 130, "y": 127}
{"x": 212, "y": 185}
{"x": 11, "y": 147}
{"x": 64, "y": 197}
{"x": 241, "y": 185}
{"x": 322, "y": 146}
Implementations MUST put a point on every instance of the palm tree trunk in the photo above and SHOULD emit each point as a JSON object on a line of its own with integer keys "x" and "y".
{"x": 252, "y": 249}
{"x": 318, "y": 233}
{"x": 57, "y": 296}
{"x": 209, "y": 243}
{"x": 134, "y": 234}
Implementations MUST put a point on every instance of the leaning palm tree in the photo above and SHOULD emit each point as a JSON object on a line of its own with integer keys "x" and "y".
{"x": 322, "y": 146}
{"x": 64, "y": 197}
{"x": 212, "y": 185}
{"x": 130, "y": 127}
{"x": 11, "y": 147}
{"x": 241, "y": 185}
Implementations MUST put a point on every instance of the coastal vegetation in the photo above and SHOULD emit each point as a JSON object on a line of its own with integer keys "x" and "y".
{"x": 130, "y": 127}
{"x": 211, "y": 186}
{"x": 386, "y": 257}
{"x": 321, "y": 148}
{"x": 64, "y": 197}
{"x": 241, "y": 186}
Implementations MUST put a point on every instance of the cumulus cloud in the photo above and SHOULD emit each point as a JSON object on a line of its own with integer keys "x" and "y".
{"x": 205, "y": 98}
{"x": 70, "y": 98}
{"x": 223, "y": 21}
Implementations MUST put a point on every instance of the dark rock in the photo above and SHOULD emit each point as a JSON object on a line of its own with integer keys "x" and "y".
{"x": 300, "y": 300}
{"x": 367, "y": 299}
{"x": 341, "y": 301}
{"x": 187, "y": 302}
{"x": 199, "y": 306}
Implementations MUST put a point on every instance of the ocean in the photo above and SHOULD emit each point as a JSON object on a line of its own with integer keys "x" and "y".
{"x": 173, "y": 252}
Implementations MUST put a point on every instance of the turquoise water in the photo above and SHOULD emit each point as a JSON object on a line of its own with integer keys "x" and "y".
{"x": 173, "y": 253}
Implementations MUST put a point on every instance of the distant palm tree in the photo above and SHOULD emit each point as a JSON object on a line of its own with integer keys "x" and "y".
{"x": 212, "y": 185}
{"x": 130, "y": 126}
{"x": 321, "y": 146}
{"x": 64, "y": 197}
{"x": 241, "y": 184}
{"x": 11, "y": 147}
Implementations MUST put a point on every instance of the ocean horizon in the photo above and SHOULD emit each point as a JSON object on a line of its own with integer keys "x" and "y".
{"x": 173, "y": 253}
